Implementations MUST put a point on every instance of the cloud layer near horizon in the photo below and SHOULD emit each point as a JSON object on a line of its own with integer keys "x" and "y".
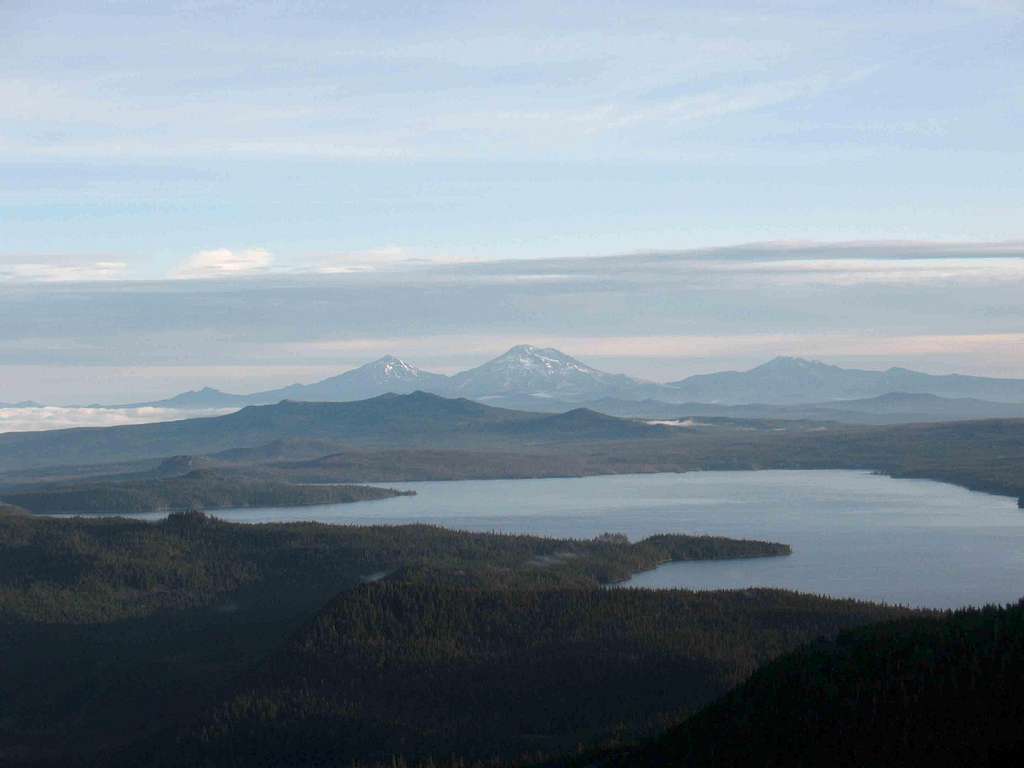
{"x": 656, "y": 315}
{"x": 56, "y": 417}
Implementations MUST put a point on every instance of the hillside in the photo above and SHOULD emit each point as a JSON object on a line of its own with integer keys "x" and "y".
{"x": 417, "y": 419}
{"x": 426, "y": 673}
{"x": 119, "y": 633}
{"x": 202, "y": 489}
{"x": 937, "y": 692}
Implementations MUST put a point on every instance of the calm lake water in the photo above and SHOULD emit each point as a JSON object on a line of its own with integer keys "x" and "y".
{"x": 853, "y": 534}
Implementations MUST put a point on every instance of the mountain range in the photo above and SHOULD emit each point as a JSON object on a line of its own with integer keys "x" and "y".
{"x": 791, "y": 380}
{"x": 534, "y": 378}
{"x": 524, "y": 370}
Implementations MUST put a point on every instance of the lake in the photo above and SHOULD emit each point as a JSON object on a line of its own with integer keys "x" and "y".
{"x": 854, "y": 534}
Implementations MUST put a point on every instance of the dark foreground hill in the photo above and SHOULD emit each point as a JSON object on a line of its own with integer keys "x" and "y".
{"x": 930, "y": 692}
{"x": 425, "y": 673}
{"x": 126, "y": 643}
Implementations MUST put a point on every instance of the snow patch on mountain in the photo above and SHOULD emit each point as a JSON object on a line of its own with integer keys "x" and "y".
{"x": 539, "y": 372}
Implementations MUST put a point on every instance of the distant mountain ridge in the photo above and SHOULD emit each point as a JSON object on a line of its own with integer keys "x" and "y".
{"x": 890, "y": 408}
{"x": 417, "y": 419}
{"x": 542, "y": 378}
{"x": 388, "y": 374}
{"x": 792, "y": 380}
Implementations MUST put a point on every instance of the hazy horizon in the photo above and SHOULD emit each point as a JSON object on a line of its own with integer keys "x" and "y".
{"x": 939, "y": 308}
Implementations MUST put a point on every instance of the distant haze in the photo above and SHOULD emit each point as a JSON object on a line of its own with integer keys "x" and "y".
{"x": 661, "y": 316}
{"x": 530, "y": 378}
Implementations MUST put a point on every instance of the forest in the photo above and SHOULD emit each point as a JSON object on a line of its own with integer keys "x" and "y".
{"x": 199, "y": 488}
{"x": 937, "y": 691}
{"x": 422, "y": 672}
{"x": 116, "y": 633}
{"x": 193, "y": 641}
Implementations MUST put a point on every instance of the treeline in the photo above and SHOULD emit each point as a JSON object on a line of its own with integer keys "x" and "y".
{"x": 106, "y": 569}
{"x": 205, "y": 489}
{"x": 424, "y": 672}
{"x": 937, "y": 692}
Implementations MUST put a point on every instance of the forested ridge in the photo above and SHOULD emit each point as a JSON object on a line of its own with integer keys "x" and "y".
{"x": 202, "y": 488}
{"x": 196, "y": 642}
{"x": 422, "y": 672}
{"x": 941, "y": 691}
{"x": 115, "y": 631}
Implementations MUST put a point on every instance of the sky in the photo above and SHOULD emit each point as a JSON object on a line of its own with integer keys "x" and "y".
{"x": 246, "y": 194}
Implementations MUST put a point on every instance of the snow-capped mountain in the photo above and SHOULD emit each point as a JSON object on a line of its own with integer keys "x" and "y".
{"x": 526, "y": 370}
{"x": 388, "y": 374}
{"x": 535, "y": 378}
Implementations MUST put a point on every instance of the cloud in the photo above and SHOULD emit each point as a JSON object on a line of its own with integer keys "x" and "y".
{"x": 55, "y": 417}
{"x": 359, "y": 261}
{"x": 390, "y": 257}
{"x": 223, "y": 262}
{"x": 708, "y": 105}
{"x": 63, "y": 273}
{"x": 226, "y": 263}
{"x": 943, "y": 307}
{"x": 756, "y": 347}
{"x": 840, "y": 271}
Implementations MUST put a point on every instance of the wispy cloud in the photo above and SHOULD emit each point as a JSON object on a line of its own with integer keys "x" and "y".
{"x": 756, "y": 347}
{"x": 63, "y": 273}
{"x": 848, "y": 272}
{"x": 660, "y": 315}
{"x": 224, "y": 262}
{"x": 56, "y": 417}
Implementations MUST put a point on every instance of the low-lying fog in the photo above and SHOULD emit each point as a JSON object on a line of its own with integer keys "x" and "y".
{"x": 60, "y": 417}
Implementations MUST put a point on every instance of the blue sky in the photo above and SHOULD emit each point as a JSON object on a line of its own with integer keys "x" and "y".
{"x": 145, "y": 133}
{"x": 269, "y": 141}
